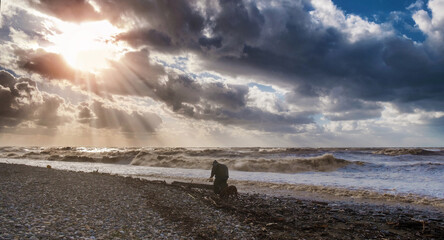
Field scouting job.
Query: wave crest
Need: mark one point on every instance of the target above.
(324, 163)
(406, 151)
(249, 159)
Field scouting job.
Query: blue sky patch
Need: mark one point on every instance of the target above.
(397, 12)
(9, 71)
(320, 119)
(263, 88)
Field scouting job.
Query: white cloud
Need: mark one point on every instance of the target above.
(265, 100)
(416, 5)
(352, 25)
(432, 25)
(21, 39)
(401, 121)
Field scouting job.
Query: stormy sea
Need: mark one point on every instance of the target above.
(411, 175)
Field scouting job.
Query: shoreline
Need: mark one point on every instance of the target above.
(322, 193)
(299, 191)
(48, 203)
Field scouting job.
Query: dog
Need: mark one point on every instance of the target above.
(228, 192)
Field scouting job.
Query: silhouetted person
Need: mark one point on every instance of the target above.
(221, 172)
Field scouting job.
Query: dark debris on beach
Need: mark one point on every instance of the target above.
(39, 203)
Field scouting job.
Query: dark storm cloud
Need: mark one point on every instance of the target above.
(223, 103)
(169, 25)
(392, 69)
(341, 107)
(71, 10)
(176, 25)
(284, 41)
(54, 67)
(239, 19)
(237, 24)
(140, 37)
(231, 97)
(135, 74)
(20, 101)
(173, 16)
(278, 43)
(210, 42)
(97, 115)
(50, 65)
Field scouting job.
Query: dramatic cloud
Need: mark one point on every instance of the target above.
(225, 104)
(217, 101)
(274, 66)
(141, 37)
(50, 65)
(22, 101)
(166, 24)
(432, 26)
(319, 50)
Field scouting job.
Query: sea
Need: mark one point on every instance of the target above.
(412, 175)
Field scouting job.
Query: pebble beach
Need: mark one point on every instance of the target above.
(44, 203)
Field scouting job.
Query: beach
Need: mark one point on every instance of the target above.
(45, 203)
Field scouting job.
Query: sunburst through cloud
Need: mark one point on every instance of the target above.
(85, 46)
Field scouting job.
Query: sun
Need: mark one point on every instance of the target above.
(86, 46)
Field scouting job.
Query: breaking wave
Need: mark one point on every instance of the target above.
(407, 151)
(242, 159)
(326, 162)
(71, 154)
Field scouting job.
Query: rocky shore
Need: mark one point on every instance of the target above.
(43, 203)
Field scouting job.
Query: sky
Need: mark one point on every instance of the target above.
(208, 73)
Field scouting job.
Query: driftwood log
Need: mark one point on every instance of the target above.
(192, 185)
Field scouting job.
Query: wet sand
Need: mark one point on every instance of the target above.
(40, 203)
